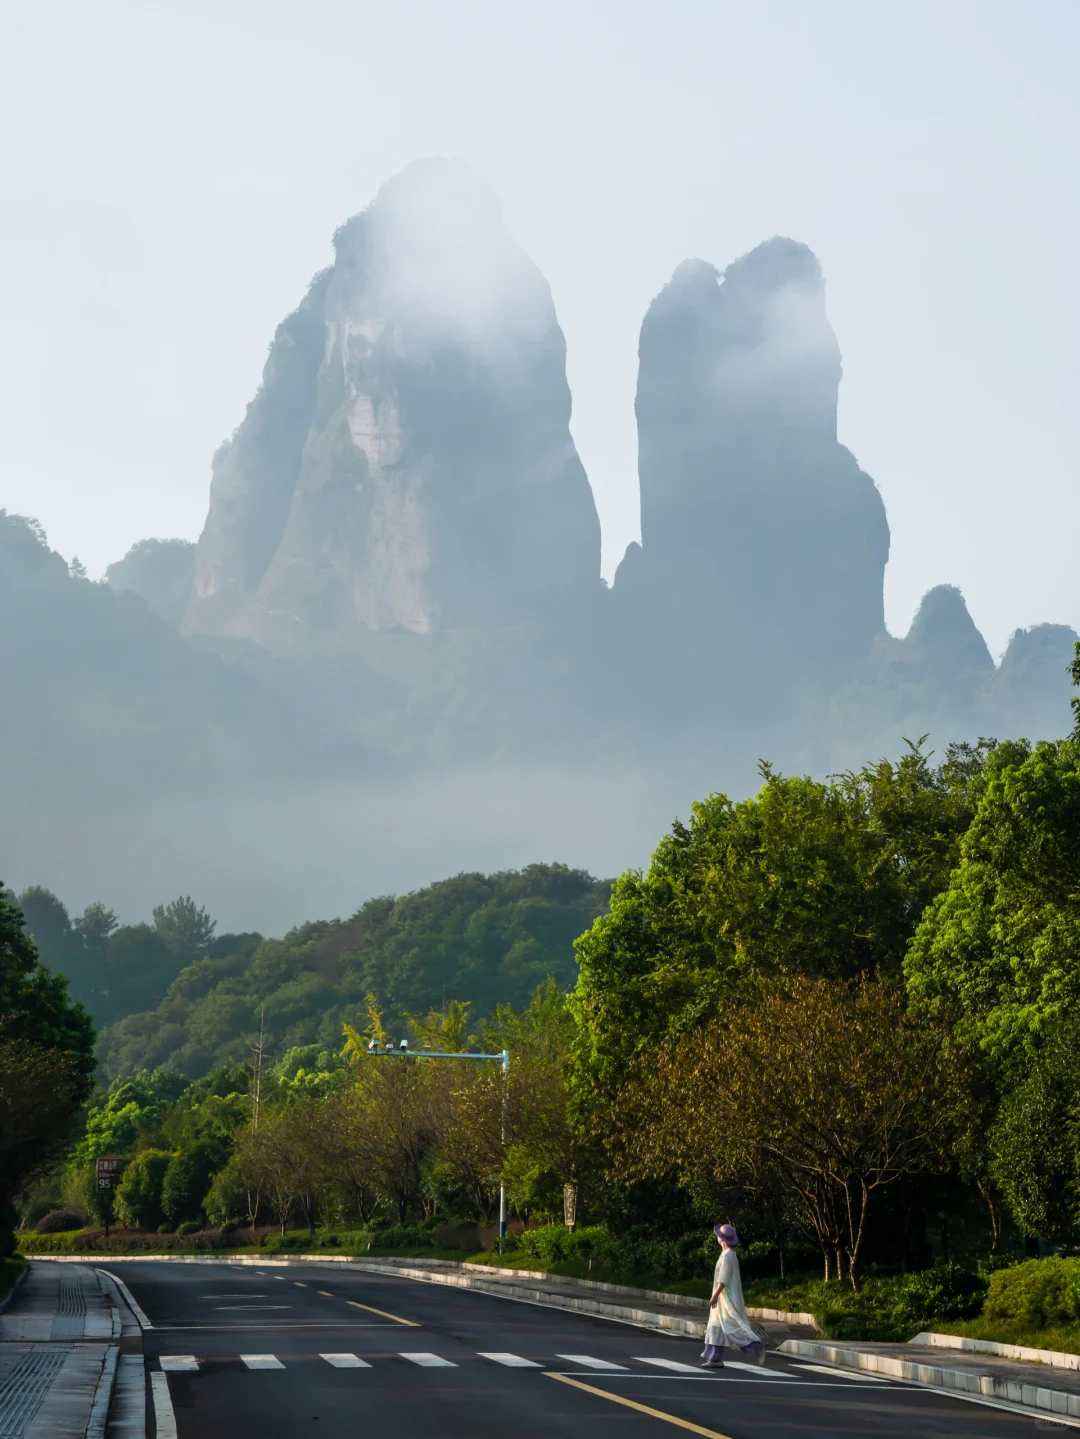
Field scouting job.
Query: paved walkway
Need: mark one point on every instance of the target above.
(1010, 1381)
(60, 1341)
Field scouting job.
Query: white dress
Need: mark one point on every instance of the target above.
(728, 1321)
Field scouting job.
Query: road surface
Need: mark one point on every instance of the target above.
(297, 1351)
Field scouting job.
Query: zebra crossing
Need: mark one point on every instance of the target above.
(192, 1364)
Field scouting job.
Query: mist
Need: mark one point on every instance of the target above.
(269, 860)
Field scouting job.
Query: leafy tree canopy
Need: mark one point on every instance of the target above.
(998, 953)
(826, 878)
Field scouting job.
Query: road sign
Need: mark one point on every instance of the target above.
(569, 1205)
(109, 1169)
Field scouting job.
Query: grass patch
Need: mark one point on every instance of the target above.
(1063, 1338)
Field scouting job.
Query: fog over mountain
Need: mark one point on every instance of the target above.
(391, 655)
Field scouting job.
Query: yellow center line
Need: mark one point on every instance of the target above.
(412, 1323)
(633, 1404)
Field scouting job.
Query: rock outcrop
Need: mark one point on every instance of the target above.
(407, 463)
(944, 644)
(761, 538)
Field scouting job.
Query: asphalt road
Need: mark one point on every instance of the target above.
(297, 1351)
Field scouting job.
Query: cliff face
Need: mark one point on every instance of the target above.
(407, 463)
(757, 526)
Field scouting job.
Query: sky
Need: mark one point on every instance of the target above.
(173, 174)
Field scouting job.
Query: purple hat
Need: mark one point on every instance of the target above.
(727, 1233)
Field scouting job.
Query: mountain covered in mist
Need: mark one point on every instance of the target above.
(400, 565)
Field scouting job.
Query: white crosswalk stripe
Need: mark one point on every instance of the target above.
(757, 1369)
(588, 1362)
(429, 1361)
(262, 1361)
(345, 1361)
(178, 1363)
(511, 1361)
(841, 1373)
(669, 1364)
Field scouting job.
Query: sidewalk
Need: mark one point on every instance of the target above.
(1016, 1383)
(60, 1341)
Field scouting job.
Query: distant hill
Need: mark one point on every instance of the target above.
(484, 939)
(104, 703)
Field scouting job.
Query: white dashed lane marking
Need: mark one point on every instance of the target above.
(429, 1361)
(669, 1364)
(588, 1362)
(511, 1361)
(841, 1373)
(345, 1361)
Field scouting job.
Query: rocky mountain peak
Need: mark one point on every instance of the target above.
(408, 462)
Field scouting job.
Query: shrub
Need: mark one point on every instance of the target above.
(226, 1201)
(1036, 1295)
(947, 1291)
(406, 1236)
(189, 1226)
(138, 1195)
(187, 1180)
(58, 1221)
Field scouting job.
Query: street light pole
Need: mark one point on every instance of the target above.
(402, 1051)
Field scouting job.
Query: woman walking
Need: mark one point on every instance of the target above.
(728, 1322)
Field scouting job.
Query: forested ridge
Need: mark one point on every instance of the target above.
(842, 1013)
(174, 993)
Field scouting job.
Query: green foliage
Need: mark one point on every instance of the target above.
(46, 1059)
(187, 1179)
(116, 969)
(998, 953)
(138, 1195)
(484, 939)
(130, 1108)
(1035, 1295)
(228, 1198)
(1035, 1141)
(827, 878)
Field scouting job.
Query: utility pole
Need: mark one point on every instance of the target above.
(257, 1062)
(402, 1051)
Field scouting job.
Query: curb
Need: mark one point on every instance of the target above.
(642, 1318)
(481, 1278)
(103, 1393)
(1027, 1397)
(1052, 1358)
(20, 1280)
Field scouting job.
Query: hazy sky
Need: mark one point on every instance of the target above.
(173, 173)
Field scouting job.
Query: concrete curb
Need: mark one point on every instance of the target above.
(959, 1381)
(480, 1277)
(642, 1318)
(20, 1280)
(1052, 1358)
(99, 1413)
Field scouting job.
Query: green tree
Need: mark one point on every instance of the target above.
(131, 1109)
(1035, 1141)
(137, 1202)
(46, 1061)
(825, 1091)
(828, 878)
(185, 927)
(997, 955)
(188, 1177)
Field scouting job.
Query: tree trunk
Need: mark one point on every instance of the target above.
(995, 1220)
